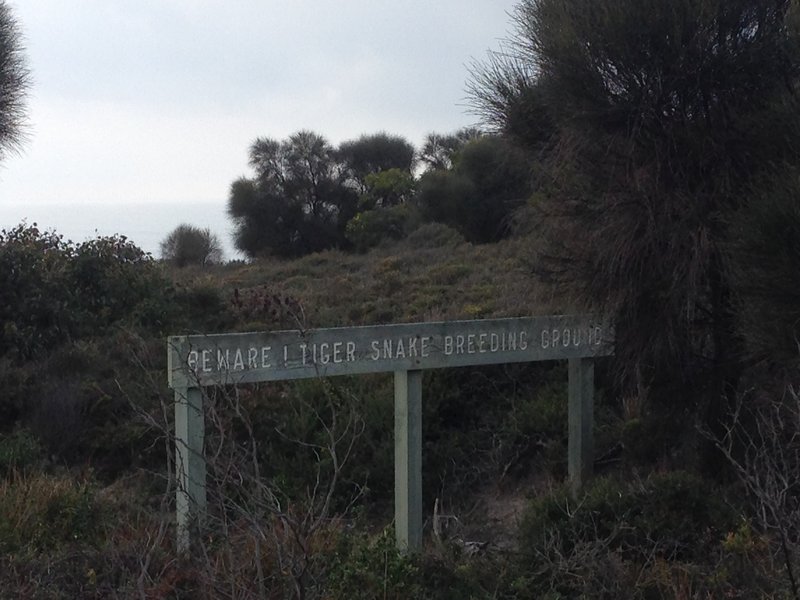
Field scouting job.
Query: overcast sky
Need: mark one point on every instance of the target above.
(158, 100)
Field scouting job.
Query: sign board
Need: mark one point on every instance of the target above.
(200, 360)
(196, 361)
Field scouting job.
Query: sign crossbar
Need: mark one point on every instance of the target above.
(232, 358)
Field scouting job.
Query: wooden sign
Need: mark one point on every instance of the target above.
(196, 361)
(200, 360)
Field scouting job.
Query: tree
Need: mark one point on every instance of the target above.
(189, 245)
(297, 203)
(764, 244)
(387, 188)
(371, 154)
(14, 83)
(439, 150)
(656, 120)
(488, 182)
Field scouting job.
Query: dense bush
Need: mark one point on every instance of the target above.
(491, 178)
(33, 294)
(298, 202)
(615, 529)
(371, 227)
(188, 245)
(53, 291)
(654, 122)
(79, 333)
(19, 450)
(109, 278)
(674, 514)
(364, 568)
(492, 436)
(765, 248)
(387, 188)
(40, 512)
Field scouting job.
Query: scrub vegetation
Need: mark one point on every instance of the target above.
(301, 473)
(641, 162)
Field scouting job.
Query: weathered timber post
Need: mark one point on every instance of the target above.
(190, 464)
(408, 460)
(581, 419)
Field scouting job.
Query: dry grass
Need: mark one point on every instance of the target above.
(409, 281)
(40, 510)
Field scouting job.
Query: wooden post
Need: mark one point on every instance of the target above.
(581, 409)
(408, 460)
(190, 465)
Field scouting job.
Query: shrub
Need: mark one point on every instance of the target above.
(619, 537)
(367, 568)
(489, 181)
(390, 187)
(108, 277)
(674, 514)
(434, 235)
(18, 450)
(33, 304)
(198, 306)
(40, 512)
(371, 227)
(766, 231)
(190, 245)
(52, 291)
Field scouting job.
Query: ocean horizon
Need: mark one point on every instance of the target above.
(146, 224)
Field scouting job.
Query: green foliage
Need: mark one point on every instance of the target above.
(487, 432)
(33, 298)
(188, 245)
(765, 247)
(490, 180)
(19, 450)
(41, 513)
(654, 121)
(305, 192)
(634, 540)
(297, 203)
(371, 567)
(110, 277)
(671, 515)
(371, 227)
(370, 155)
(434, 235)
(52, 291)
(440, 152)
(441, 195)
(293, 423)
(387, 188)
(466, 441)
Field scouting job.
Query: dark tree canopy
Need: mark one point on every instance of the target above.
(439, 150)
(374, 153)
(655, 120)
(387, 188)
(488, 182)
(297, 203)
(14, 82)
